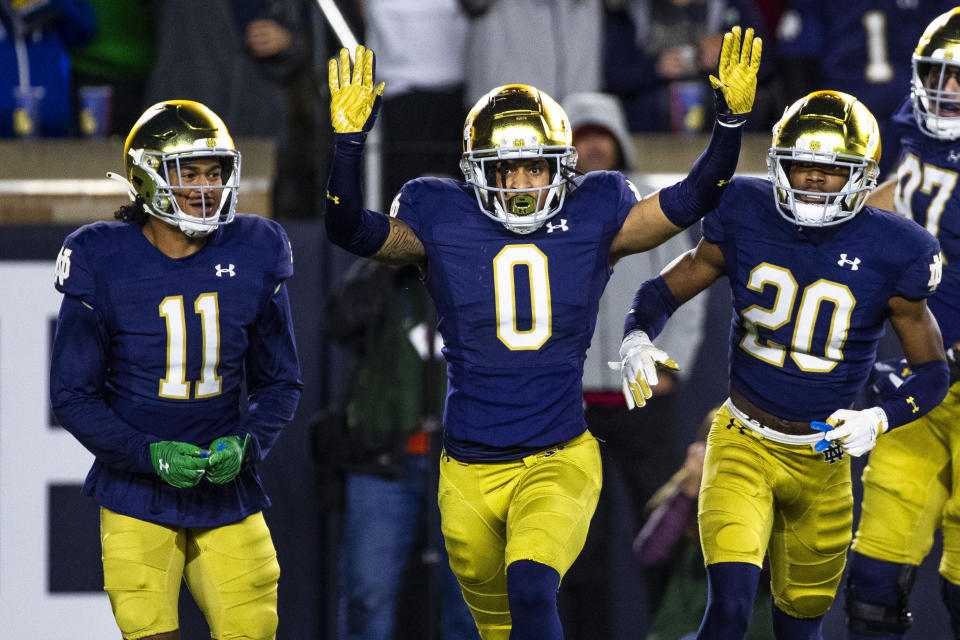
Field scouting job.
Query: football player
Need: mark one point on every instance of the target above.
(516, 258)
(169, 314)
(910, 484)
(813, 275)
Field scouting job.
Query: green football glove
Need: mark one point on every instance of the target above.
(736, 81)
(226, 458)
(179, 463)
(353, 102)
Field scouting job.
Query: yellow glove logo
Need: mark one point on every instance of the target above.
(352, 99)
(738, 70)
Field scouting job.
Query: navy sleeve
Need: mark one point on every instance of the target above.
(77, 385)
(273, 375)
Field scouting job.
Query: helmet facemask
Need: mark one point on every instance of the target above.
(522, 210)
(163, 169)
(837, 206)
(936, 110)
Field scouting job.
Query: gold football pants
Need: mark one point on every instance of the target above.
(537, 508)
(909, 490)
(763, 497)
(231, 571)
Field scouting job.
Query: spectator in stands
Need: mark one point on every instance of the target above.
(120, 56)
(657, 54)
(863, 50)
(35, 84)
(420, 47)
(384, 318)
(254, 62)
(554, 46)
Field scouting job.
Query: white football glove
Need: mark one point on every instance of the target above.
(857, 431)
(638, 367)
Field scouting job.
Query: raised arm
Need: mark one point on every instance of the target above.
(666, 212)
(353, 110)
(655, 301)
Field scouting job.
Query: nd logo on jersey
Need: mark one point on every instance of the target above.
(63, 265)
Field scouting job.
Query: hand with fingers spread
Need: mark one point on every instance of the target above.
(353, 100)
(736, 81)
(638, 367)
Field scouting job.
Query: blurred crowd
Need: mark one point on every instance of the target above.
(90, 67)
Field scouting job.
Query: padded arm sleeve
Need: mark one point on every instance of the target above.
(652, 307)
(349, 225)
(919, 393)
(693, 197)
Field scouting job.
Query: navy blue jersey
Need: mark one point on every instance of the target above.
(152, 348)
(807, 314)
(927, 192)
(516, 312)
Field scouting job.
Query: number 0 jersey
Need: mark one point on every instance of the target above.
(809, 304)
(516, 312)
(152, 348)
(927, 192)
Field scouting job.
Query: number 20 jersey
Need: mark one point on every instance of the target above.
(809, 304)
(516, 312)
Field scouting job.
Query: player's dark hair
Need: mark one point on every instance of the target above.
(133, 212)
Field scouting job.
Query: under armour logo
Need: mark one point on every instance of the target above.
(854, 264)
(229, 271)
(953, 156)
(733, 424)
(833, 453)
(163, 466)
(553, 227)
(913, 403)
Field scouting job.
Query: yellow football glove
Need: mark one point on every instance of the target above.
(353, 101)
(736, 81)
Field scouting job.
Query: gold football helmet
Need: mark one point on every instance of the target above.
(515, 122)
(826, 127)
(167, 134)
(935, 60)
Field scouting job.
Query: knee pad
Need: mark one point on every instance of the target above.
(136, 614)
(877, 596)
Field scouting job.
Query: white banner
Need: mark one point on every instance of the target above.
(32, 457)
